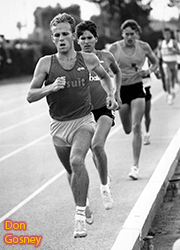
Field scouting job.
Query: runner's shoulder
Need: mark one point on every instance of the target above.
(144, 45)
(45, 59)
(107, 54)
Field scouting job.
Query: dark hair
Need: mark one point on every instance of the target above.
(132, 24)
(167, 29)
(63, 18)
(86, 25)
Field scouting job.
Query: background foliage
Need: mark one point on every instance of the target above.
(112, 14)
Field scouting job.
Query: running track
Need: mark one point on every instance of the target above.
(33, 183)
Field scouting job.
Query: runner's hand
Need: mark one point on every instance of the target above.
(111, 103)
(118, 100)
(59, 83)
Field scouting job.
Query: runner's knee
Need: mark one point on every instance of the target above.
(97, 148)
(136, 128)
(76, 162)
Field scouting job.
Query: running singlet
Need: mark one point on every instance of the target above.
(168, 55)
(98, 94)
(130, 64)
(73, 101)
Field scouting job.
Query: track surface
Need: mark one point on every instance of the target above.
(33, 183)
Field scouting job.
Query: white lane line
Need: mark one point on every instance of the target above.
(24, 147)
(4, 100)
(22, 123)
(157, 97)
(13, 110)
(30, 197)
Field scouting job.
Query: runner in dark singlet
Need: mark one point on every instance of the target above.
(87, 37)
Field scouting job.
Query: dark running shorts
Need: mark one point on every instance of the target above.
(147, 93)
(103, 111)
(131, 92)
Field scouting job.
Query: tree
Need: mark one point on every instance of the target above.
(173, 3)
(114, 12)
(43, 16)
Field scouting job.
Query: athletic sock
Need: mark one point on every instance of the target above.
(147, 133)
(104, 187)
(87, 202)
(80, 210)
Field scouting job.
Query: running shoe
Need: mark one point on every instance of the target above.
(89, 215)
(170, 99)
(134, 173)
(173, 92)
(107, 199)
(146, 139)
(80, 226)
(109, 180)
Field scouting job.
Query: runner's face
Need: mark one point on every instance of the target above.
(167, 35)
(63, 37)
(87, 41)
(129, 36)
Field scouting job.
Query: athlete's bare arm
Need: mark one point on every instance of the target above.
(114, 50)
(176, 47)
(93, 64)
(117, 74)
(151, 56)
(37, 91)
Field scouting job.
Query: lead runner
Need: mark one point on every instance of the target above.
(63, 78)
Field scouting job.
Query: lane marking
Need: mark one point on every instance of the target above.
(24, 147)
(157, 97)
(43, 187)
(22, 123)
(12, 111)
(30, 197)
(142, 214)
(5, 99)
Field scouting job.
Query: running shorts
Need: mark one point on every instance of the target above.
(103, 111)
(131, 92)
(63, 132)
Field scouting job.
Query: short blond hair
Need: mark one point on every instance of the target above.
(63, 18)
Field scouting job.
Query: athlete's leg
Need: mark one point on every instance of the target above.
(104, 124)
(167, 76)
(64, 154)
(178, 74)
(137, 110)
(175, 84)
(147, 115)
(168, 81)
(162, 75)
(80, 179)
(125, 115)
(174, 76)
